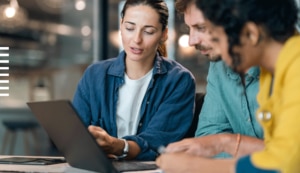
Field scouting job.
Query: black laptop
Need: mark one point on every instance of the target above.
(73, 140)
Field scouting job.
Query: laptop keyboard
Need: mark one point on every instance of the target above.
(134, 165)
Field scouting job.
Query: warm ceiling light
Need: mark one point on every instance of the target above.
(184, 40)
(80, 5)
(10, 12)
(86, 30)
(12, 16)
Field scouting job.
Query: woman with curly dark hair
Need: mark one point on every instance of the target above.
(257, 33)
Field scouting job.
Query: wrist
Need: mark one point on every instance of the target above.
(237, 146)
(125, 149)
(226, 140)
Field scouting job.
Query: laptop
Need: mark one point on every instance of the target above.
(72, 138)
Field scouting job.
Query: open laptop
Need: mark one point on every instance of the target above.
(74, 141)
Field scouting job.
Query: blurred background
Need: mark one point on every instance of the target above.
(48, 45)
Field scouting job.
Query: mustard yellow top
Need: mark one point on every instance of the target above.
(279, 112)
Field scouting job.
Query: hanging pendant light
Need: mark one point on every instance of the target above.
(12, 16)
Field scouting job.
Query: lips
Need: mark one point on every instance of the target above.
(136, 50)
(204, 52)
(203, 49)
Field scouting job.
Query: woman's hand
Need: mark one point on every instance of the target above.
(182, 162)
(112, 146)
(176, 163)
(109, 144)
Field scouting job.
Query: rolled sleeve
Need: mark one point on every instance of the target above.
(171, 120)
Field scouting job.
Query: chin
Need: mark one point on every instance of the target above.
(214, 58)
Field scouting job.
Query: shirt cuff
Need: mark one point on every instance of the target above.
(244, 165)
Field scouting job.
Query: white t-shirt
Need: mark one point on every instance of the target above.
(131, 95)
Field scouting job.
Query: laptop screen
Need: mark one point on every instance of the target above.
(70, 136)
(74, 141)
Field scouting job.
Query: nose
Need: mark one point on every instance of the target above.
(194, 39)
(137, 37)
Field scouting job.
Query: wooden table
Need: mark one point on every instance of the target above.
(55, 168)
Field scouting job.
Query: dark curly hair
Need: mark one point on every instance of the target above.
(276, 17)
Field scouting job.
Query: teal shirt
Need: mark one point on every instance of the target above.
(226, 109)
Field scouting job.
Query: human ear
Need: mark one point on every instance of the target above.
(252, 32)
(164, 35)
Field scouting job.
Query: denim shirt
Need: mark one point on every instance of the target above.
(166, 111)
(226, 108)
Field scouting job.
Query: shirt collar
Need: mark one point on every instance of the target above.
(118, 66)
(253, 72)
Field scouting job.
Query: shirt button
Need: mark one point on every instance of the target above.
(148, 102)
(249, 120)
(140, 125)
(264, 116)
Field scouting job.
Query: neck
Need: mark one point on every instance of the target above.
(137, 69)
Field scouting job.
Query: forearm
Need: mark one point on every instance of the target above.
(246, 144)
(209, 165)
(181, 162)
(134, 150)
(224, 166)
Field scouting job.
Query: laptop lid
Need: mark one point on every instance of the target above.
(70, 136)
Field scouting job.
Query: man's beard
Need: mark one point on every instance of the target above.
(202, 48)
(215, 58)
(212, 58)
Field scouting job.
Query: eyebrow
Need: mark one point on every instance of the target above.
(199, 25)
(146, 26)
(215, 39)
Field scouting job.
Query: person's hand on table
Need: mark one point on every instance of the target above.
(175, 163)
(182, 162)
(206, 146)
